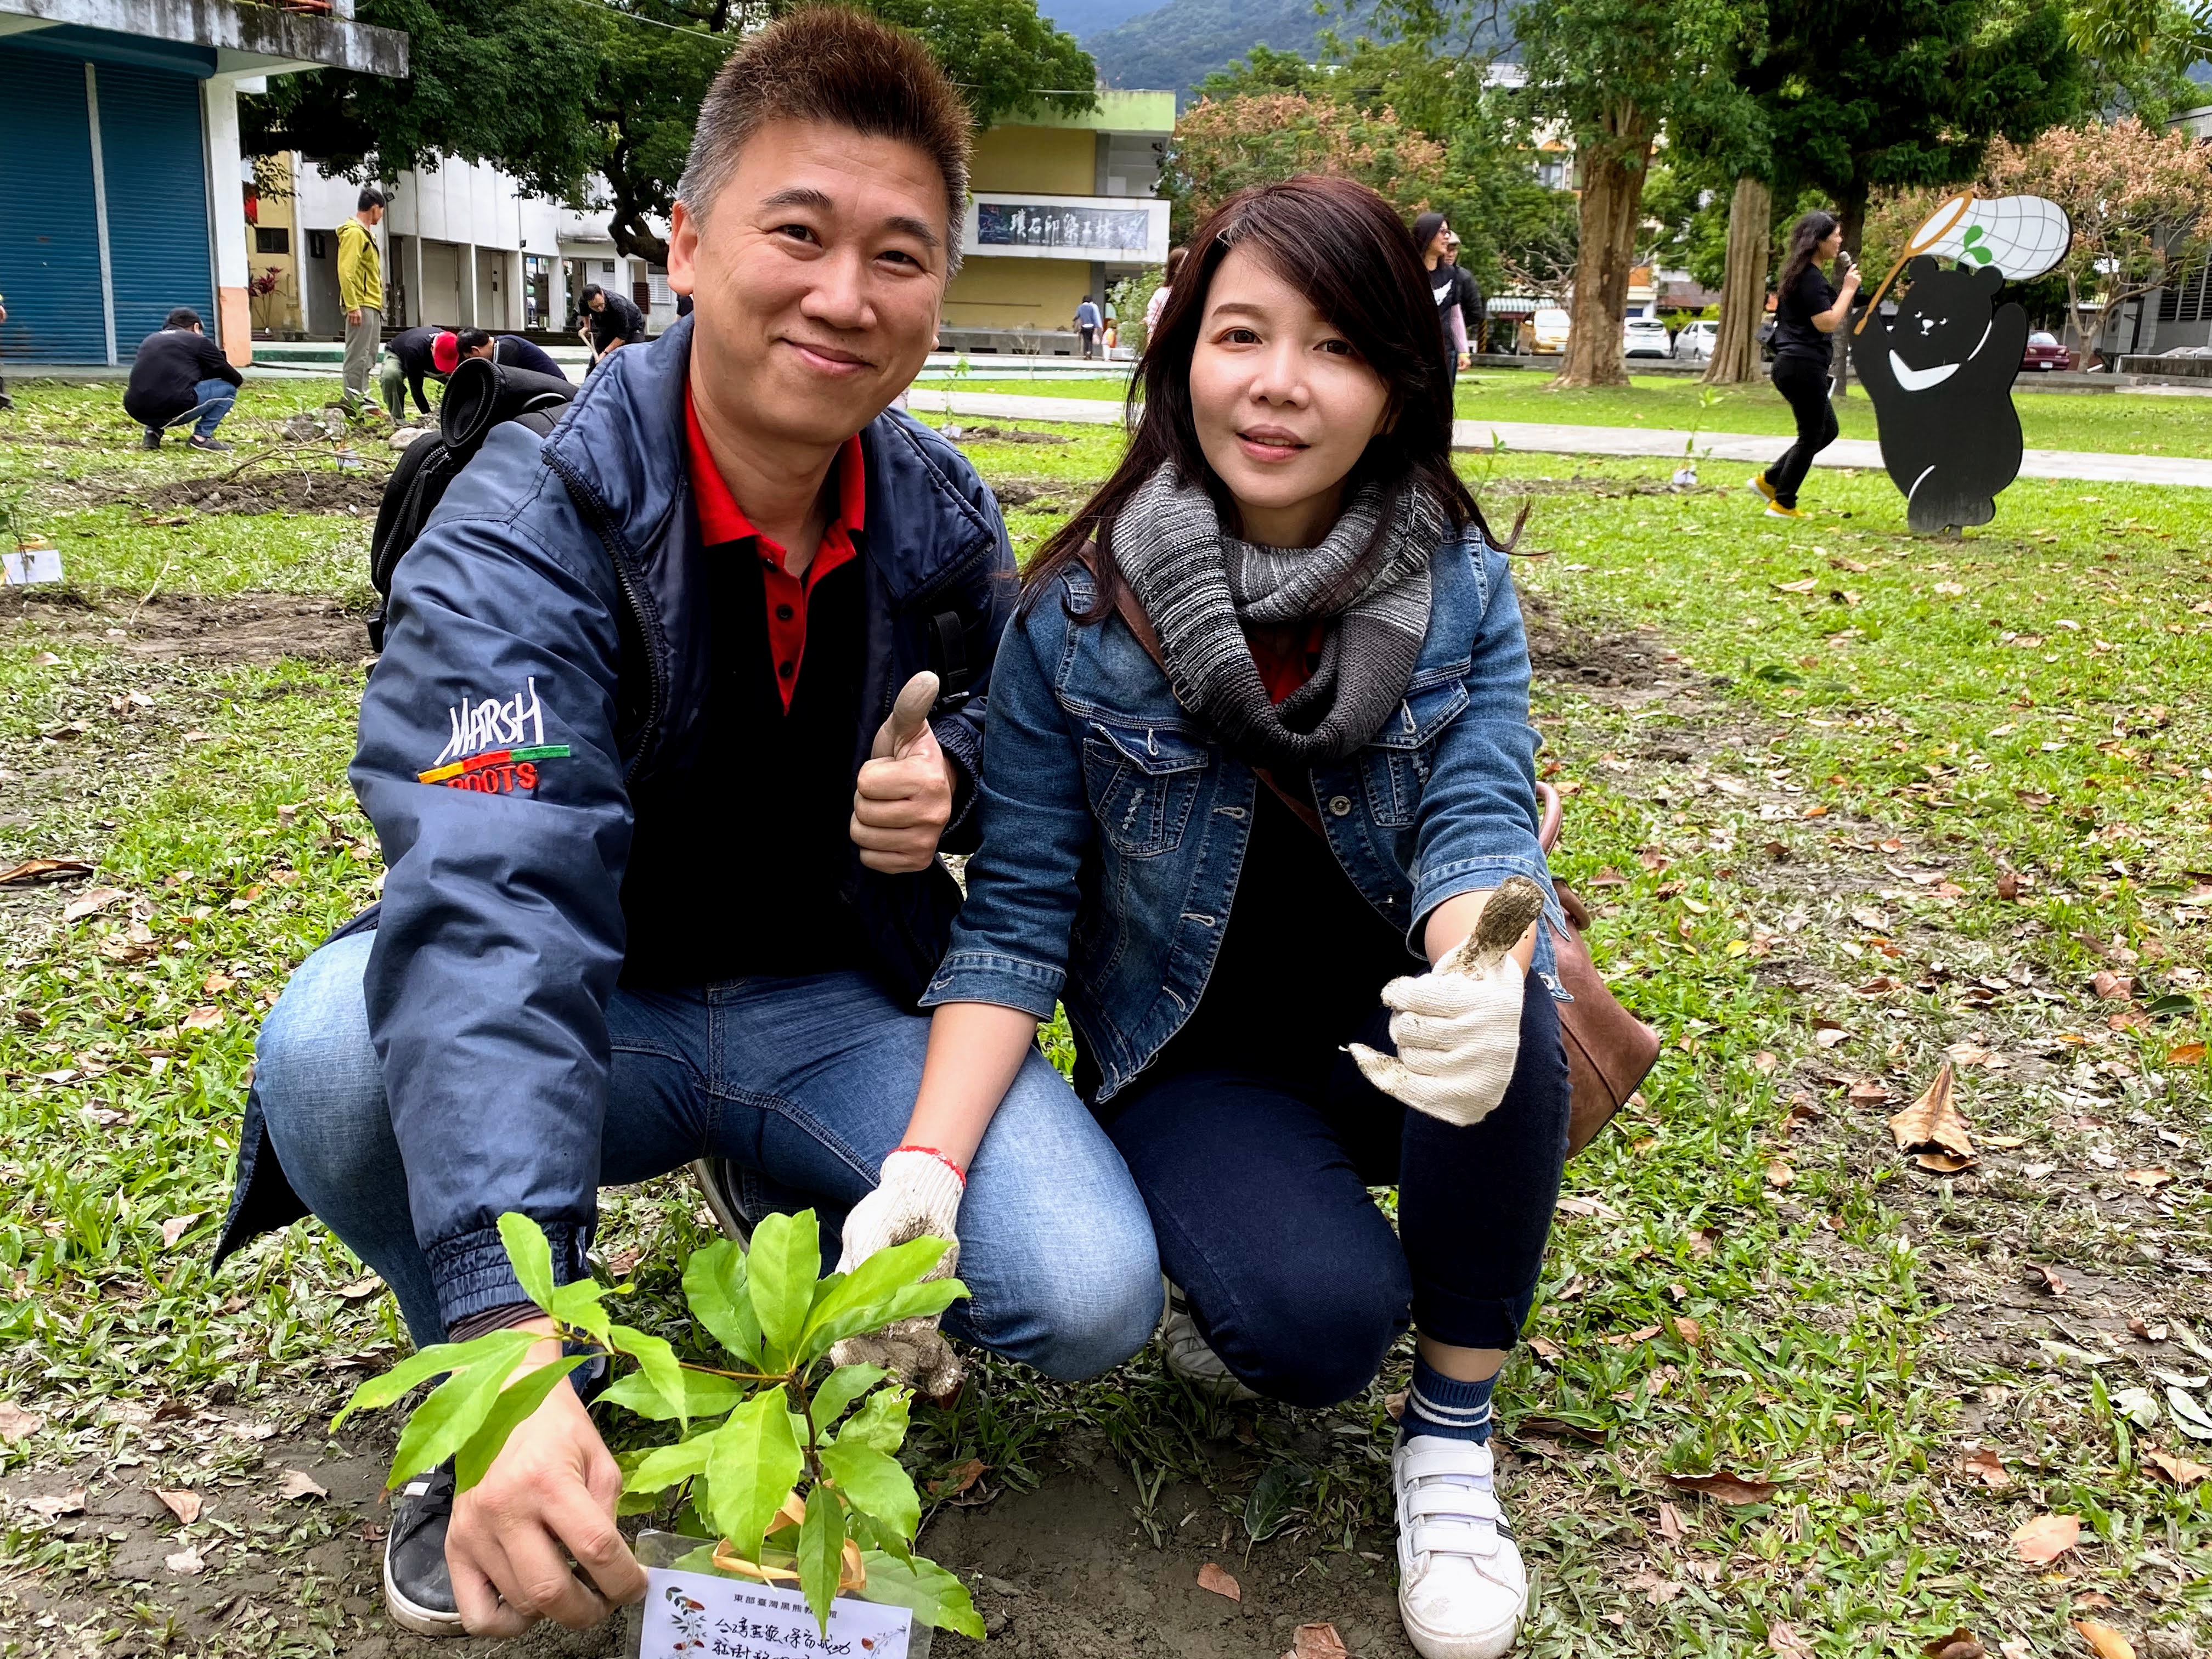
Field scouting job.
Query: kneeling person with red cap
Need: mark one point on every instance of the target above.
(414, 354)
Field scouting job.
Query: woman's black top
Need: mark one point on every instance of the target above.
(1794, 335)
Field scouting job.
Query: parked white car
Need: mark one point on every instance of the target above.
(1548, 328)
(1644, 337)
(1694, 344)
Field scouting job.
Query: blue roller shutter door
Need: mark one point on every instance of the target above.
(154, 162)
(49, 226)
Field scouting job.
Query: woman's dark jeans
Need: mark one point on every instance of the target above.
(1257, 1188)
(1803, 384)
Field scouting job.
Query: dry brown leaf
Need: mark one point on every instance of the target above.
(2185, 1054)
(204, 1019)
(1932, 1123)
(1672, 1526)
(298, 1483)
(1725, 1488)
(1779, 1175)
(1660, 1591)
(1943, 1163)
(360, 1288)
(953, 1482)
(92, 901)
(2046, 1277)
(1315, 1642)
(50, 1504)
(183, 1503)
(2182, 1471)
(44, 870)
(1211, 1578)
(2112, 986)
(16, 1424)
(2016, 1650)
(2104, 1641)
(176, 1226)
(2044, 1540)
(1960, 1643)
(1829, 1036)
(1783, 1641)
(2009, 886)
(1629, 1338)
(1765, 1061)
(2149, 1180)
(1984, 1465)
(1395, 1402)
(1688, 1331)
(216, 983)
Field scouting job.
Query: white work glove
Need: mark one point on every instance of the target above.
(1457, 1027)
(917, 1194)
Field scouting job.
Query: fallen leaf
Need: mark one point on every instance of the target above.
(174, 1229)
(1779, 1175)
(1629, 1338)
(2044, 1540)
(203, 1019)
(185, 1561)
(1315, 1642)
(1660, 1591)
(1943, 1163)
(44, 870)
(1832, 1036)
(1733, 1490)
(1554, 1426)
(1575, 1204)
(1672, 1528)
(216, 984)
(2009, 886)
(2149, 1180)
(2185, 1054)
(1765, 1061)
(1932, 1123)
(2104, 1641)
(2112, 986)
(1783, 1641)
(1985, 1465)
(16, 1424)
(53, 1503)
(1805, 587)
(953, 1482)
(182, 1504)
(360, 1288)
(92, 901)
(1211, 1578)
(298, 1483)
(1960, 1643)
(1688, 1331)
(2182, 1471)
(2015, 1650)
(1868, 1088)
(2046, 1277)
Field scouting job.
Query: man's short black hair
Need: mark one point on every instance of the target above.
(371, 196)
(471, 339)
(182, 317)
(589, 291)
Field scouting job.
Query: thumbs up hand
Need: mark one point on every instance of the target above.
(904, 797)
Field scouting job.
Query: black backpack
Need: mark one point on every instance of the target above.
(480, 395)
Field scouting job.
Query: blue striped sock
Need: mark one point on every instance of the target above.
(1446, 1407)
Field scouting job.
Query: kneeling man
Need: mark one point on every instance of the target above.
(652, 756)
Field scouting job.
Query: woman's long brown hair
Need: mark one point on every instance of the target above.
(1340, 245)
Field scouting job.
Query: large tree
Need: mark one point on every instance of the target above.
(592, 101)
(1613, 75)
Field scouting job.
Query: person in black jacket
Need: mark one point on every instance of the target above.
(1807, 311)
(1467, 295)
(410, 358)
(180, 375)
(509, 348)
(608, 322)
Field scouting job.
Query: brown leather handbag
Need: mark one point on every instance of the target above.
(1609, 1050)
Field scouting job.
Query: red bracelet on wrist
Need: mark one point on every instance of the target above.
(961, 1174)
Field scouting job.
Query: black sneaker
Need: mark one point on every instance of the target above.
(418, 1590)
(151, 440)
(214, 445)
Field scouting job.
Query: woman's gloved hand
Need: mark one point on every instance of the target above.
(1457, 1027)
(917, 1194)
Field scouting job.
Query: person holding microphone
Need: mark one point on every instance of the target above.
(1806, 311)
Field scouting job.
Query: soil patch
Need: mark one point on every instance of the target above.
(248, 628)
(1036, 494)
(1003, 434)
(1572, 653)
(295, 490)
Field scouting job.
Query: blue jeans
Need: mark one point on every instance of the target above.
(805, 1084)
(1258, 1189)
(212, 399)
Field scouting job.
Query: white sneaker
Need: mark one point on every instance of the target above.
(1188, 1355)
(1462, 1589)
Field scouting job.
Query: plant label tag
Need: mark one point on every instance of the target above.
(697, 1615)
(30, 564)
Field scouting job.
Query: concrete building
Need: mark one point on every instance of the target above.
(1061, 207)
(120, 150)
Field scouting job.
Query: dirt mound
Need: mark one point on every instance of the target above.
(961, 433)
(1037, 494)
(297, 491)
(251, 628)
(1569, 654)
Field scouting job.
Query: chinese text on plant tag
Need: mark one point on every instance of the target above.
(695, 1615)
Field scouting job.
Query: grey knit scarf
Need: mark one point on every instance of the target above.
(1201, 589)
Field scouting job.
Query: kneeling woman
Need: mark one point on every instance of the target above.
(1258, 755)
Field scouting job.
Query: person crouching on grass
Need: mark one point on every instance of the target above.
(1258, 754)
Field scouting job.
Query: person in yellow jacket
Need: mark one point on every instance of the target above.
(360, 291)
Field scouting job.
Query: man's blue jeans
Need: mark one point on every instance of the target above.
(212, 399)
(805, 1083)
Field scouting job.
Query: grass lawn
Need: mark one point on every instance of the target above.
(1848, 805)
(2114, 422)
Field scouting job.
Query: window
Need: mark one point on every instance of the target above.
(317, 247)
(271, 239)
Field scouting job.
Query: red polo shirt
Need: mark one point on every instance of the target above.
(722, 520)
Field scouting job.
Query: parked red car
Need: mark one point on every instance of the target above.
(2043, 352)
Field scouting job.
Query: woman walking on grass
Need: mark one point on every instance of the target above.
(1259, 758)
(1806, 311)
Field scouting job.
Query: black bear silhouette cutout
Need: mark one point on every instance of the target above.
(1941, 377)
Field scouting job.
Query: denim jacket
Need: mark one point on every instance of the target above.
(1113, 826)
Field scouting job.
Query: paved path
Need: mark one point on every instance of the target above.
(1539, 438)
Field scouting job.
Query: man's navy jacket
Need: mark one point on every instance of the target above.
(546, 647)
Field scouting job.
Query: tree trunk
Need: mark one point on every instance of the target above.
(1852, 221)
(1612, 198)
(1735, 361)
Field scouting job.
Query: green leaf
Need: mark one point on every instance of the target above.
(875, 1483)
(456, 1409)
(857, 1302)
(880, 1425)
(909, 1302)
(704, 1396)
(532, 1256)
(938, 1598)
(714, 1285)
(656, 1361)
(821, 1552)
(665, 1466)
(1973, 235)
(516, 1401)
(753, 1462)
(577, 1304)
(1276, 1497)
(841, 1388)
(380, 1391)
(779, 1273)
(873, 1535)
